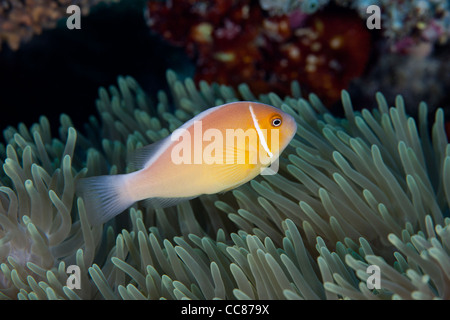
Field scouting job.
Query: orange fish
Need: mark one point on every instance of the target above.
(216, 151)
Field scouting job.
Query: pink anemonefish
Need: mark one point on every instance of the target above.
(218, 150)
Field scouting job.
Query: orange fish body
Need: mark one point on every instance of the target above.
(218, 150)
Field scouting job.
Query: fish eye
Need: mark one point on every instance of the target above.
(276, 122)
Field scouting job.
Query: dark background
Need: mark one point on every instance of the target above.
(61, 70)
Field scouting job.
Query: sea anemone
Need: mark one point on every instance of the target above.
(372, 188)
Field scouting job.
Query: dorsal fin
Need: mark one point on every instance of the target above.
(139, 158)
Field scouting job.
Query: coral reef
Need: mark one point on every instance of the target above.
(324, 45)
(20, 20)
(372, 188)
(405, 23)
(234, 42)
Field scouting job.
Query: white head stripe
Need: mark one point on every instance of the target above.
(260, 134)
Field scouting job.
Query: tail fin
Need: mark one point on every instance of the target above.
(104, 196)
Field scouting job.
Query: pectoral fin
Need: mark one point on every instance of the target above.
(236, 170)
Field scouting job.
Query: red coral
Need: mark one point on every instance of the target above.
(235, 42)
(326, 54)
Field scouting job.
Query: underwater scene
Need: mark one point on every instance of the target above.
(228, 149)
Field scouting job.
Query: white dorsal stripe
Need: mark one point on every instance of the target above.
(260, 133)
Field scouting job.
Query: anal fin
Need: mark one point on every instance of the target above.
(159, 203)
